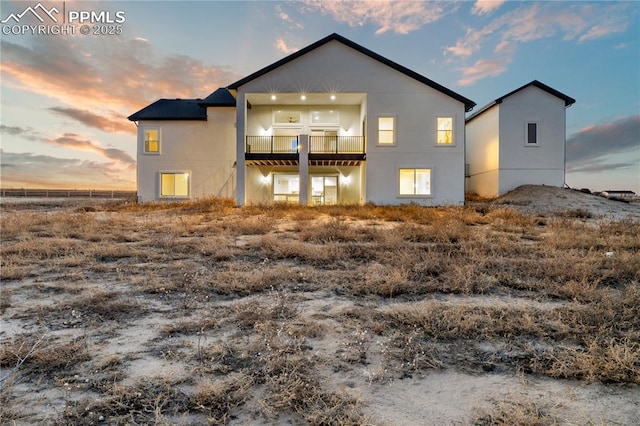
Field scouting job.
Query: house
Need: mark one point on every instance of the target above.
(620, 194)
(517, 139)
(331, 123)
(335, 123)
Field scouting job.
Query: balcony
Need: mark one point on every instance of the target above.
(271, 150)
(336, 150)
(323, 150)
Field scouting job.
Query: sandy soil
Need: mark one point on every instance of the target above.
(446, 396)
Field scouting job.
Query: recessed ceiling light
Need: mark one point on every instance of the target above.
(303, 97)
(273, 97)
(333, 97)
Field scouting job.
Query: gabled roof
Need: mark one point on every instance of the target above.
(469, 104)
(567, 100)
(220, 98)
(172, 109)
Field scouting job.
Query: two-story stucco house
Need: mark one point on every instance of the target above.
(517, 139)
(337, 123)
(331, 123)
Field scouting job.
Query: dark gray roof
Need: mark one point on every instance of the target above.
(172, 109)
(567, 100)
(220, 98)
(469, 104)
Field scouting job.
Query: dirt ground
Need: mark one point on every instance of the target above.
(524, 310)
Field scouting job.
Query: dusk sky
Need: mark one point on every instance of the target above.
(65, 97)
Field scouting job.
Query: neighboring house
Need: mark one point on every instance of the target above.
(331, 123)
(517, 139)
(610, 193)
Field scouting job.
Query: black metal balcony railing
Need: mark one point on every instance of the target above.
(336, 144)
(317, 145)
(271, 145)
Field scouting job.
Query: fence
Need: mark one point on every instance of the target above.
(67, 193)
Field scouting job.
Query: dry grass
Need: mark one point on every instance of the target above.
(242, 302)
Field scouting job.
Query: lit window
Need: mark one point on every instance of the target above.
(286, 117)
(152, 141)
(445, 131)
(532, 133)
(415, 182)
(174, 184)
(286, 188)
(386, 130)
(324, 116)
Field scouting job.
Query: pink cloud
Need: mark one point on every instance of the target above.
(481, 69)
(529, 23)
(282, 47)
(28, 170)
(482, 7)
(119, 159)
(400, 17)
(106, 73)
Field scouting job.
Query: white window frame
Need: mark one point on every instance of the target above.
(144, 141)
(174, 172)
(526, 133)
(416, 167)
(275, 123)
(335, 123)
(394, 130)
(453, 133)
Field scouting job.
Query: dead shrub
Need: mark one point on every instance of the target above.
(40, 356)
(150, 401)
(607, 361)
(218, 399)
(515, 412)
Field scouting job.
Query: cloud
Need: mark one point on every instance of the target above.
(118, 123)
(481, 69)
(596, 143)
(27, 133)
(282, 47)
(532, 22)
(106, 73)
(400, 17)
(28, 170)
(600, 166)
(482, 7)
(74, 141)
(593, 141)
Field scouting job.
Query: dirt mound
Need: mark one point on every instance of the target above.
(550, 200)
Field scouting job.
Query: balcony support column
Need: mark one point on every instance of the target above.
(303, 168)
(241, 118)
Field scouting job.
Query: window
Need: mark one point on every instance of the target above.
(324, 116)
(174, 184)
(286, 117)
(532, 133)
(415, 182)
(386, 130)
(286, 188)
(445, 131)
(152, 141)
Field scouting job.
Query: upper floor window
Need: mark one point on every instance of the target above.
(532, 133)
(445, 131)
(152, 141)
(324, 116)
(386, 130)
(283, 116)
